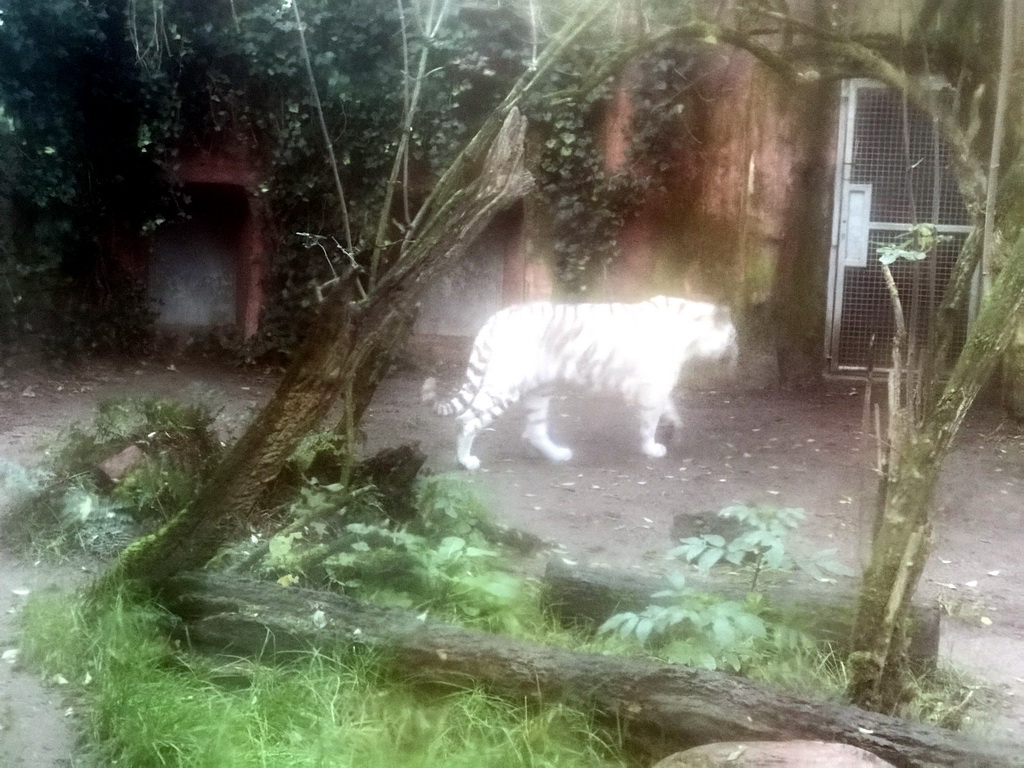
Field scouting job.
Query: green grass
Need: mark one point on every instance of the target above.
(817, 673)
(146, 703)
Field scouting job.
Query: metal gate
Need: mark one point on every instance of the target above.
(891, 172)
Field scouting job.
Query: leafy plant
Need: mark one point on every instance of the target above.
(450, 577)
(589, 201)
(26, 292)
(919, 241)
(448, 505)
(114, 316)
(694, 628)
(761, 547)
(438, 562)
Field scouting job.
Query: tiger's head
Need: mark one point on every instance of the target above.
(708, 330)
(723, 342)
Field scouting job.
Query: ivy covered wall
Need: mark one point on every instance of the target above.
(685, 171)
(106, 102)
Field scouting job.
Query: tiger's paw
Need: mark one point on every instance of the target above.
(558, 454)
(654, 450)
(552, 452)
(472, 463)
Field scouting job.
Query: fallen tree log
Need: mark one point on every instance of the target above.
(586, 596)
(663, 707)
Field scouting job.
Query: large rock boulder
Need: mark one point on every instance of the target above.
(773, 754)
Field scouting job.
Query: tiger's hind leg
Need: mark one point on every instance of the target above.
(671, 418)
(473, 423)
(464, 447)
(536, 432)
(485, 408)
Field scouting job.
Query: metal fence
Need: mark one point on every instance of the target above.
(892, 172)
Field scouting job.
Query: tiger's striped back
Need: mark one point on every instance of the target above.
(634, 350)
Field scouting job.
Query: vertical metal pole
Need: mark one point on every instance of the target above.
(1005, 64)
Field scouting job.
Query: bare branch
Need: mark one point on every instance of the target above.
(400, 165)
(323, 127)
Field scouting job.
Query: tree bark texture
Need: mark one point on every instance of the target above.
(900, 550)
(345, 355)
(663, 708)
(586, 597)
(902, 542)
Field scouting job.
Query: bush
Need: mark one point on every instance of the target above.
(69, 504)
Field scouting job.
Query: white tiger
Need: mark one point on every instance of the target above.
(634, 350)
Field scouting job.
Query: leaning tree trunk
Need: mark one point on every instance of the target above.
(345, 355)
(348, 347)
(902, 541)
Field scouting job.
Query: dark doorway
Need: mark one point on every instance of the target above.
(194, 269)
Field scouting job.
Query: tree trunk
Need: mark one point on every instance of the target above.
(662, 708)
(901, 545)
(348, 347)
(585, 597)
(900, 548)
(1012, 374)
(345, 354)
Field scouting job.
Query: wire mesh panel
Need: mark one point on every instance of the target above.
(892, 173)
(868, 323)
(896, 150)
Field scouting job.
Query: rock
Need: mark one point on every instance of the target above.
(777, 754)
(120, 464)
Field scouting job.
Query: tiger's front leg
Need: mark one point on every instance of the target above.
(654, 406)
(536, 432)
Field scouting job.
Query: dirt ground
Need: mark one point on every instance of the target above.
(608, 505)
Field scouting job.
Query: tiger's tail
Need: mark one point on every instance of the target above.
(461, 401)
(452, 407)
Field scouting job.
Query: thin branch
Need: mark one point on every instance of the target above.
(897, 305)
(400, 165)
(323, 128)
(533, 33)
(441, 14)
(455, 173)
(406, 110)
